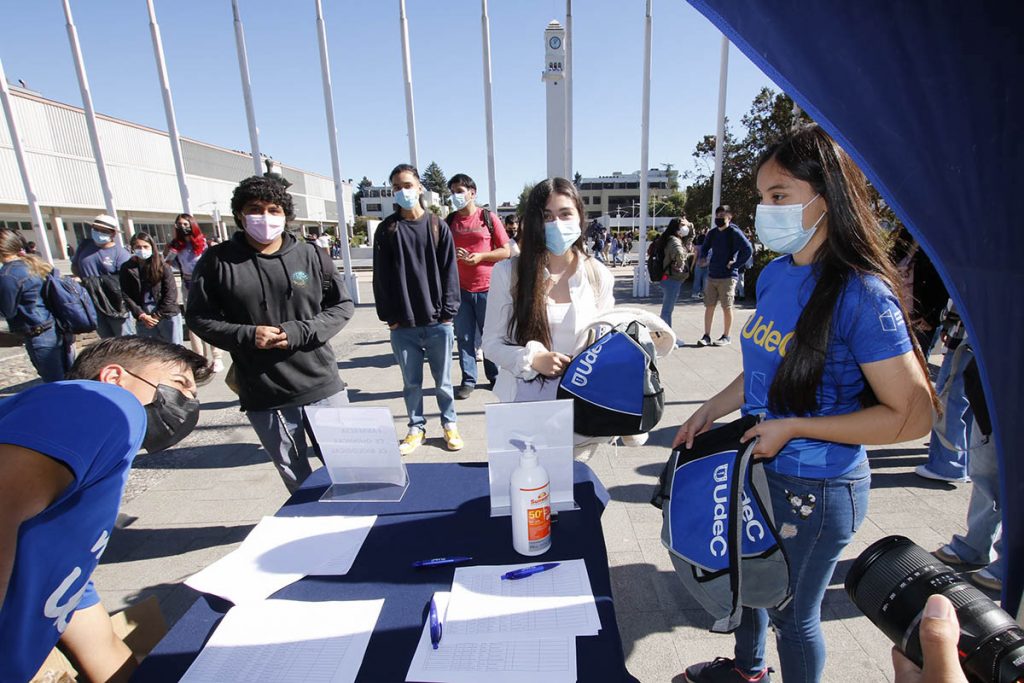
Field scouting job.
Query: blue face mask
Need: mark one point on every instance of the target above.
(559, 236)
(459, 200)
(781, 228)
(407, 198)
(100, 237)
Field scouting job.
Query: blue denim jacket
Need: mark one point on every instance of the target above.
(21, 298)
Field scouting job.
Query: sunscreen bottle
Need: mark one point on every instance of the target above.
(531, 505)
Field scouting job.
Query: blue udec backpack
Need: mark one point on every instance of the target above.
(719, 526)
(69, 304)
(614, 384)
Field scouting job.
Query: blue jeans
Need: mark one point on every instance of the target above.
(941, 460)
(411, 345)
(700, 277)
(813, 544)
(48, 354)
(468, 323)
(108, 326)
(669, 295)
(283, 436)
(982, 544)
(168, 329)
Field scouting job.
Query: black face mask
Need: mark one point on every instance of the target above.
(719, 222)
(169, 418)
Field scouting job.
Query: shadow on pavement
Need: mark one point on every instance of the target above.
(202, 457)
(134, 544)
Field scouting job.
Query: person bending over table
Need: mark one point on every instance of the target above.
(830, 362)
(61, 489)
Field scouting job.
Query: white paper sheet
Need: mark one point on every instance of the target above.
(280, 551)
(359, 445)
(555, 602)
(545, 424)
(278, 641)
(491, 657)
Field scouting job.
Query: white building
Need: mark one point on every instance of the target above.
(378, 201)
(619, 194)
(141, 169)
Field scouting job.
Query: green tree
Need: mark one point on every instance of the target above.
(363, 185)
(523, 196)
(435, 181)
(669, 206)
(577, 179)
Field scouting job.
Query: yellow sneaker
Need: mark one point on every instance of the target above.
(411, 441)
(452, 438)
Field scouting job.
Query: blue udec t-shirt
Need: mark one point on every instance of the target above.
(867, 326)
(94, 429)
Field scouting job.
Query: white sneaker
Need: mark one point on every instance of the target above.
(923, 471)
(218, 365)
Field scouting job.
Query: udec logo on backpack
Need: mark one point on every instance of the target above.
(614, 384)
(718, 526)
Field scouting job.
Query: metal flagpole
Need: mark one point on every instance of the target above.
(90, 116)
(351, 283)
(723, 77)
(410, 112)
(568, 89)
(641, 280)
(172, 122)
(250, 112)
(19, 154)
(485, 22)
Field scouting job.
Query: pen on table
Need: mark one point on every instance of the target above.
(440, 561)
(435, 624)
(528, 571)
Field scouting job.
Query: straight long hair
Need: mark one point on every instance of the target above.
(853, 248)
(11, 244)
(529, 321)
(152, 269)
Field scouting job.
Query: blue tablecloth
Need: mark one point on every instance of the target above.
(446, 511)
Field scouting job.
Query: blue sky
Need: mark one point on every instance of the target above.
(365, 50)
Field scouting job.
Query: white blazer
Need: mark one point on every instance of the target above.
(514, 361)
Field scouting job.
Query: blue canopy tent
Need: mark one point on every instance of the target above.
(928, 97)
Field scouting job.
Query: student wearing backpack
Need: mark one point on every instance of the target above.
(97, 263)
(151, 292)
(830, 363)
(675, 250)
(22, 304)
(541, 300)
(416, 290)
(480, 242)
(274, 303)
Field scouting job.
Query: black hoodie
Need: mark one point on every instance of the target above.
(235, 288)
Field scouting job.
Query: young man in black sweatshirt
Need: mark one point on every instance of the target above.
(274, 303)
(416, 289)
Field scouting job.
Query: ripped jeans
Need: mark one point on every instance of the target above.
(816, 519)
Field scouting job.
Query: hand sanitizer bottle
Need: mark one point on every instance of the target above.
(531, 505)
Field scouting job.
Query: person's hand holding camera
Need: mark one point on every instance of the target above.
(940, 633)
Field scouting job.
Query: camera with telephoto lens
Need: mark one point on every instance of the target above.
(890, 583)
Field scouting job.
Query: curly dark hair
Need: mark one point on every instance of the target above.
(269, 187)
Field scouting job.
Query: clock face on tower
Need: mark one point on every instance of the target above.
(555, 42)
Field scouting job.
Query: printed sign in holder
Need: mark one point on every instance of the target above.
(547, 425)
(360, 452)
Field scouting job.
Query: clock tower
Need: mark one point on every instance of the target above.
(554, 80)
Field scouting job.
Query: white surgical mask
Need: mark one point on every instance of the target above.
(143, 254)
(459, 200)
(100, 237)
(560, 235)
(781, 227)
(407, 198)
(263, 227)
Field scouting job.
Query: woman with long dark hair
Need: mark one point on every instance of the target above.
(150, 291)
(22, 277)
(540, 300)
(674, 243)
(188, 245)
(831, 364)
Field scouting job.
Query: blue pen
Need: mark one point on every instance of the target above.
(528, 571)
(435, 624)
(440, 561)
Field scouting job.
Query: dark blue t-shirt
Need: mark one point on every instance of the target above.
(92, 261)
(724, 246)
(95, 430)
(867, 327)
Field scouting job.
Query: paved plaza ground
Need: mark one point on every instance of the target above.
(189, 506)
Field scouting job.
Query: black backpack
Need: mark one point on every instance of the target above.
(486, 217)
(656, 260)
